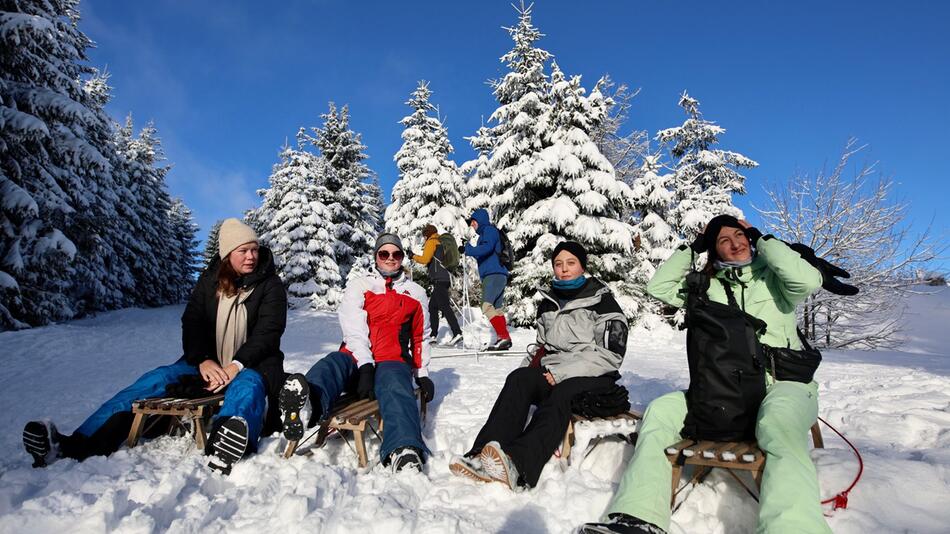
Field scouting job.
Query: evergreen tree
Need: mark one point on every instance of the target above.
(49, 170)
(478, 170)
(298, 228)
(522, 95)
(705, 179)
(375, 205)
(212, 244)
(142, 156)
(181, 270)
(72, 238)
(579, 199)
(351, 202)
(428, 180)
(104, 232)
(652, 200)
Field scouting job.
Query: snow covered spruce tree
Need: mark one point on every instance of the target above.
(146, 177)
(68, 239)
(704, 179)
(428, 180)
(478, 170)
(51, 167)
(652, 200)
(212, 244)
(578, 197)
(297, 226)
(351, 202)
(181, 271)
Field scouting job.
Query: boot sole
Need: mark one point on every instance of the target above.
(228, 445)
(464, 471)
(491, 454)
(291, 402)
(36, 441)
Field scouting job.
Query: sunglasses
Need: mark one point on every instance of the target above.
(384, 255)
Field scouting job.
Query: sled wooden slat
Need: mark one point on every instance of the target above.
(353, 415)
(732, 456)
(199, 411)
(568, 443)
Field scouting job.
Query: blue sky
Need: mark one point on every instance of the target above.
(226, 82)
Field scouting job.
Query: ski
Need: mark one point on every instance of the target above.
(478, 353)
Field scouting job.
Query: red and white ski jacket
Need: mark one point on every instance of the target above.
(384, 320)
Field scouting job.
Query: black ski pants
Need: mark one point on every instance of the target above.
(531, 447)
(439, 302)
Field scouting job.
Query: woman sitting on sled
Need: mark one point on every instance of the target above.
(581, 341)
(231, 331)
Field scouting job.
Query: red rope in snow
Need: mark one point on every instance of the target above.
(841, 499)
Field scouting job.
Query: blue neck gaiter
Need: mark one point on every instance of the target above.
(569, 284)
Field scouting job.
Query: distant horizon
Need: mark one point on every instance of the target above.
(227, 83)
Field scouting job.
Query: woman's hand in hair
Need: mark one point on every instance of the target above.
(213, 375)
(550, 378)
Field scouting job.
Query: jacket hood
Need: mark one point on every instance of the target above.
(481, 217)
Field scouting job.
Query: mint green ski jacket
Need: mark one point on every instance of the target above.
(769, 288)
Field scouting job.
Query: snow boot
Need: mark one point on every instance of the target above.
(295, 406)
(40, 439)
(405, 458)
(498, 465)
(501, 331)
(499, 345)
(228, 443)
(621, 524)
(454, 341)
(470, 468)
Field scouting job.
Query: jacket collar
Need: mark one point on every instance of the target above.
(593, 291)
(743, 274)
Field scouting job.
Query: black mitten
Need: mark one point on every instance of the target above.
(829, 272)
(428, 388)
(367, 376)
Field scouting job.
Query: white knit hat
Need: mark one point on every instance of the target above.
(233, 234)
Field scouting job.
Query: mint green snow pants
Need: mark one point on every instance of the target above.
(789, 501)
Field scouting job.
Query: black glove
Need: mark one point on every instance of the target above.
(829, 272)
(428, 388)
(409, 253)
(365, 387)
(752, 233)
(461, 249)
(699, 244)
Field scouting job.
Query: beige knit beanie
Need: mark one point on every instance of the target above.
(233, 234)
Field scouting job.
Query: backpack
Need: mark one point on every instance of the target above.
(507, 254)
(450, 251)
(726, 366)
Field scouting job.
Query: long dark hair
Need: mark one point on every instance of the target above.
(227, 278)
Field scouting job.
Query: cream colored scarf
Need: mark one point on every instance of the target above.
(231, 325)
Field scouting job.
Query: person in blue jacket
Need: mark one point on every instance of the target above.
(494, 275)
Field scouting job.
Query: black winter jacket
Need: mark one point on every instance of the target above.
(266, 319)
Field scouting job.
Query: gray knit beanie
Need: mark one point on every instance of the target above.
(387, 239)
(233, 234)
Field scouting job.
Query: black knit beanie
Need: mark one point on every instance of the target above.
(715, 226)
(574, 248)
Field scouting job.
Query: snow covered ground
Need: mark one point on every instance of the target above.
(895, 405)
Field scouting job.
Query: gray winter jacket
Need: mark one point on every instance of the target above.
(583, 332)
